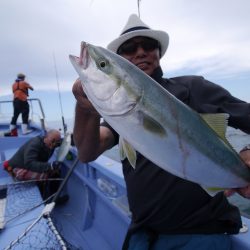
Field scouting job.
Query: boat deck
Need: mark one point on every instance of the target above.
(95, 217)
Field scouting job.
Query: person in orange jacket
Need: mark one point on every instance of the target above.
(20, 90)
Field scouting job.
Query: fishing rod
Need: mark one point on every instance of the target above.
(138, 7)
(59, 96)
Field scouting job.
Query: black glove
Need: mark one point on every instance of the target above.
(55, 165)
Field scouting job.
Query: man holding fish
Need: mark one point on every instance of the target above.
(170, 209)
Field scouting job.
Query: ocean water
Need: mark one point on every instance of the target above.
(237, 138)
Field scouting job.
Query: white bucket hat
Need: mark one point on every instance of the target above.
(135, 27)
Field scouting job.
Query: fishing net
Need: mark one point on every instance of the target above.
(24, 205)
(41, 234)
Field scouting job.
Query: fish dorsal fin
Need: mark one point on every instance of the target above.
(213, 190)
(218, 122)
(127, 151)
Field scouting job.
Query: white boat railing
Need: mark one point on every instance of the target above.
(36, 110)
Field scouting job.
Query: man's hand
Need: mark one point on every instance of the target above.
(82, 99)
(245, 191)
(245, 156)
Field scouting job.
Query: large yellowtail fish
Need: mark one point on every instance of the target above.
(153, 122)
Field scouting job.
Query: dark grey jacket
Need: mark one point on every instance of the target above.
(33, 155)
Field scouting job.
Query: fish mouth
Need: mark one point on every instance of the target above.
(106, 102)
(83, 59)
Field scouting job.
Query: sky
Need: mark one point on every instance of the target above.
(207, 37)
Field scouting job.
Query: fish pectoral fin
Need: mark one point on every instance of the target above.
(127, 151)
(218, 122)
(213, 190)
(121, 149)
(151, 125)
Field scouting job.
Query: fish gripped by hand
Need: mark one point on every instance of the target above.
(155, 123)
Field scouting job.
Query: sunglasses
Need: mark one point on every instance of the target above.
(131, 46)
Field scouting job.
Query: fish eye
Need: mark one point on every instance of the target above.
(102, 64)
